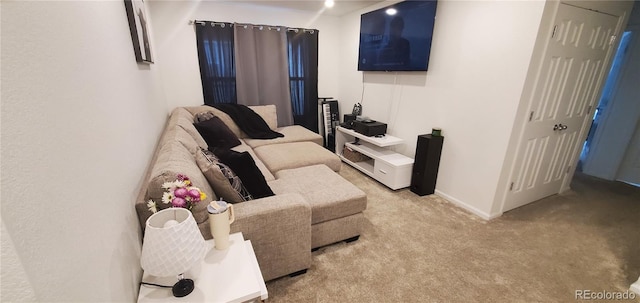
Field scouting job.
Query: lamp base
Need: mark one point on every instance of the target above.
(182, 288)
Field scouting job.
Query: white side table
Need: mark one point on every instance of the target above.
(230, 275)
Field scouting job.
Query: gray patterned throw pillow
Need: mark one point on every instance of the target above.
(223, 180)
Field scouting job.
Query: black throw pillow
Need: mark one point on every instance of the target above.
(216, 133)
(245, 168)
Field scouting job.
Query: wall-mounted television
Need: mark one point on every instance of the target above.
(397, 37)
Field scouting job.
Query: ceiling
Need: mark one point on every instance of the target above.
(340, 8)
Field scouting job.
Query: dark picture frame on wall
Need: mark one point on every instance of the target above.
(139, 28)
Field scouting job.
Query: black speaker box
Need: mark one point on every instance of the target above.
(425, 166)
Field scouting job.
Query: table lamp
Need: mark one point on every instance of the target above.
(172, 245)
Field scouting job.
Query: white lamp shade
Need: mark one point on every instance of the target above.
(171, 250)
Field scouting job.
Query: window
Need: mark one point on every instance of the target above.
(215, 42)
(302, 46)
(217, 62)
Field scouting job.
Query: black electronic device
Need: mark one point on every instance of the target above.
(370, 129)
(397, 37)
(425, 167)
(348, 121)
(331, 119)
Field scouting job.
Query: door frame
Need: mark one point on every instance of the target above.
(620, 9)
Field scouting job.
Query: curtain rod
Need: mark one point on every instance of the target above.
(261, 27)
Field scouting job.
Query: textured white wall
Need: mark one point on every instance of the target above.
(479, 59)
(80, 120)
(176, 42)
(16, 286)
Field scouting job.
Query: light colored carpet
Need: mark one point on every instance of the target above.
(424, 249)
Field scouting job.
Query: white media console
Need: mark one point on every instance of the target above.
(388, 167)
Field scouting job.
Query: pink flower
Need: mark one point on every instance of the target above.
(179, 202)
(182, 177)
(194, 194)
(180, 192)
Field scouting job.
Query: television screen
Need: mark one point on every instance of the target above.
(397, 37)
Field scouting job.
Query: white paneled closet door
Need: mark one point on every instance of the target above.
(567, 86)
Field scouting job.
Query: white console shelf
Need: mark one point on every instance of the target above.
(388, 167)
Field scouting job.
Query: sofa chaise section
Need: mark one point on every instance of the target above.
(336, 204)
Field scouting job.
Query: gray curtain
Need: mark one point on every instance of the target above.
(262, 69)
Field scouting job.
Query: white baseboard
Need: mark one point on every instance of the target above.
(635, 287)
(468, 207)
